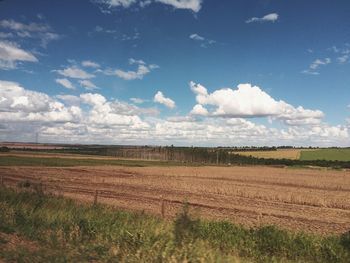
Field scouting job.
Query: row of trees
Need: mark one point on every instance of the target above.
(203, 155)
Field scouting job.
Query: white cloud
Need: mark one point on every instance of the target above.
(137, 100)
(104, 113)
(194, 5)
(142, 70)
(250, 101)
(92, 118)
(11, 54)
(204, 41)
(75, 72)
(318, 62)
(17, 26)
(160, 98)
(198, 109)
(136, 61)
(69, 99)
(40, 31)
(100, 29)
(87, 84)
(273, 17)
(65, 83)
(117, 3)
(93, 99)
(181, 119)
(312, 70)
(343, 59)
(89, 63)
(196, 37)
(20, 105)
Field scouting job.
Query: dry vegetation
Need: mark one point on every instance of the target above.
(310, 200)
(293, 154)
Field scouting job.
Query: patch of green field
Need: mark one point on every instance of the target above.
(66, 231)
(326, 154)
(67, 162)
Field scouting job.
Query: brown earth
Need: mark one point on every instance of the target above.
(302, 199)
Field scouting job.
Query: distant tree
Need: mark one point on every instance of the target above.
(4, 149)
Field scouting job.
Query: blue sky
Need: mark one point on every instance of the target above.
(184, 72)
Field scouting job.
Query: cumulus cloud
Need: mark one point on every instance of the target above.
(92, 118)
(69, 99)
(90, 64)
(199, 110)
(104, 113)
(87, 84)
(181, 119)
(65, 83)
(142, 70)
(11, 54)
(90, 113)
(18, 104)
(250, 101)
(40, 31)
(273, 17)
(75, 72)
(160, 98)
(194, 5)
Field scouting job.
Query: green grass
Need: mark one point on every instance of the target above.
(326, 154)
(66, 231)
(67, 162)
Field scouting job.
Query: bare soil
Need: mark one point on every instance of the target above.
(308, 200)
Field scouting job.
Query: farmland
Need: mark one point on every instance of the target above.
(292, 154)
(326, 154)
(329, 154)
(251, 195)
(303, 214)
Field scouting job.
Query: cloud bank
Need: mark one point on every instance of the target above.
(218, 118)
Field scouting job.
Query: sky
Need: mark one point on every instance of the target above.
(181, 72)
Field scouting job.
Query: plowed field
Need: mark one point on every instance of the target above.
(302, 199)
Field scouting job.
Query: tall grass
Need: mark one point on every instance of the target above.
(66, 231)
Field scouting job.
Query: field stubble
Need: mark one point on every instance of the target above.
(308, 200)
